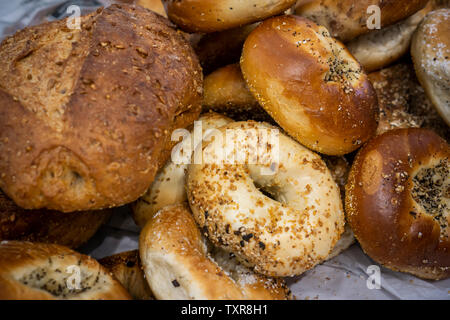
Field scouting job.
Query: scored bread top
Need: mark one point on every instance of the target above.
(84, 113)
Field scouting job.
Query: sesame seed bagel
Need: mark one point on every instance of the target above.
(38, 271)
(430, 50)
(180, 263)
(283, 236)
(212, 15)
(168, 186)
(310, 84)
(397, 202)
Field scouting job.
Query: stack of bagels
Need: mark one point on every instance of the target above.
(252, 140)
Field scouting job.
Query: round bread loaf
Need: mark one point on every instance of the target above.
(181, 264)
(68, 229)
(212, 15)
(347, 19)
(397, 202)
(126, 267)
(310, 84)
(85, 113)
(38, 271)
(430, 50)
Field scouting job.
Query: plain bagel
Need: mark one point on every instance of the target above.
(37, 271)
(168, 188)
(310, 84)
(180, 263)
(397, 202)
(430, 51)
(284, 234)
(211, 15)
(347, 19)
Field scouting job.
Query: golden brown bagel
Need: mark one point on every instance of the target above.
(127, 269)
(347, 19)
(181, 264)
(310, 84)
(68, 229)
(37, 271)
(430, 51)
(403, 102)
(84, 114)
(212, 15)
(225, 92)
(397, 202)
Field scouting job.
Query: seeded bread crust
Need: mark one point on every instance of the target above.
(85, 114)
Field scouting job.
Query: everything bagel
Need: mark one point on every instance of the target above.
(283, 236)
(180, 264)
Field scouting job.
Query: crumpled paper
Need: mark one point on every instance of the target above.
(347, 276)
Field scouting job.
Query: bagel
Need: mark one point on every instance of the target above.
(67, 229)
(37, 271)
(379, 48)
(225, 92)
(430, 51)
(127, 269)
(310, 84)
(283, 236)
(397, 202)
(168, 186)
(403, 102)
(209, 15)
(347, 19)
(85, 113)
(180, 264)
(154, 5)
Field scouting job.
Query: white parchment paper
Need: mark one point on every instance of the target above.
(344, 277)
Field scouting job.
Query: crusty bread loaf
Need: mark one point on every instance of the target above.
(84, 114)
(68, 229)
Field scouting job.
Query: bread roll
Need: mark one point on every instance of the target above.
(397, 202)
(127, 269)
(38, 271)
(181, 264)
(226, 92)
(67, 229)
(430, 50)
(347, 19)
(211, 15)
(310, 84)
(84, 114)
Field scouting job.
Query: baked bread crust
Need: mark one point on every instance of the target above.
(84, 114)
(68, 229)
(38, 271)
